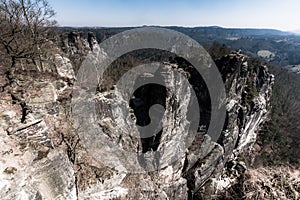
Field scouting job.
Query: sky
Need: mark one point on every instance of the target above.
(277, 14)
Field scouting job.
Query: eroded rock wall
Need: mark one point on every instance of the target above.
(42, 156)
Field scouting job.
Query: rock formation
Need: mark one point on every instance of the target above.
(42, 156)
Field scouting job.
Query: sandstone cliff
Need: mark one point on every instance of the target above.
(44, 158)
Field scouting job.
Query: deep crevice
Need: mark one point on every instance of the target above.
(141, 102)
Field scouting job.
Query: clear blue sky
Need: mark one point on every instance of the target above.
(279, 14)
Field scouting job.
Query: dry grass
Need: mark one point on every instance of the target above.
(276, 182)
(280, 182)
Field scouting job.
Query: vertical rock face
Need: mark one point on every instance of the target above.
(64, 67)
(248, 86)
(43, 158)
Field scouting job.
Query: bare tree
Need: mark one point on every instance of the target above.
(23, 29)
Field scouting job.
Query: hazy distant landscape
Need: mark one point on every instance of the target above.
(284, 46)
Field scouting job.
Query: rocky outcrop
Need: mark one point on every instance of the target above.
(248, 85)
(44, 158)
(30, 166)
(249, 89)
(64, 67)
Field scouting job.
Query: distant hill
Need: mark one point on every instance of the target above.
(211, 30)
(284, 46)
(232, 32)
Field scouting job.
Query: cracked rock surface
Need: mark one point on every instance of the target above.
(42, 156)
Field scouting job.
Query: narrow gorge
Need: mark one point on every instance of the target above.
(43, 157)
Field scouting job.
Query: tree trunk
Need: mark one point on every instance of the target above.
(11, 71)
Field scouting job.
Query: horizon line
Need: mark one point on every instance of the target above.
(180, 26)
